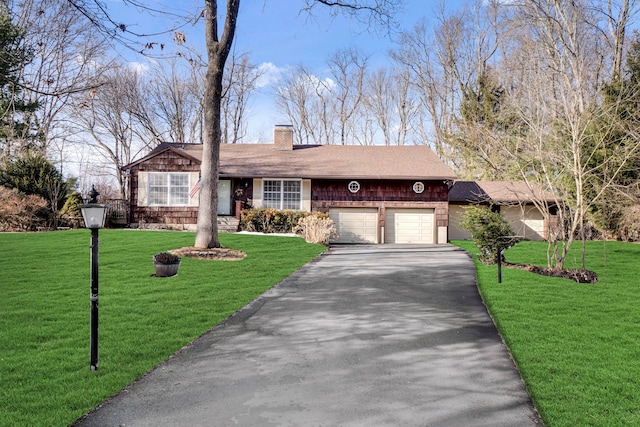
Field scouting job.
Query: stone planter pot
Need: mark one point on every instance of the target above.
(166, 270)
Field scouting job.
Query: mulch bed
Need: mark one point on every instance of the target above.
(580, 276)
(214, 254)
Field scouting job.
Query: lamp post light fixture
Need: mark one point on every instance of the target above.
(94, 215)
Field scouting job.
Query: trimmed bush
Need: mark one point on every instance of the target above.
(490, 232)
(271, 220)
(316, 229)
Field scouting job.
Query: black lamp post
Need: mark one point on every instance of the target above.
(94, 215)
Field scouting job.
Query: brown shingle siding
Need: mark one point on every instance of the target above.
(376, 191)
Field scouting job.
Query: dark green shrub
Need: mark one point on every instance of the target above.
(33, 173)
(271, 220)
(490, 232)
(166, 258)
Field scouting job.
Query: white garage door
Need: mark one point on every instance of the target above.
(409, 226)
(355, 225)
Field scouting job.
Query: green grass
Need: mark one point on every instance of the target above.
(577, 345)
(44, 304)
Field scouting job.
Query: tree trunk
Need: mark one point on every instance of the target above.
(217, 53)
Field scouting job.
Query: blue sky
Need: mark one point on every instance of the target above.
(277, 35)
(284, 36)
(274, 32)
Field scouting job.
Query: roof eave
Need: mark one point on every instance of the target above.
(345, 177)
(157, 153)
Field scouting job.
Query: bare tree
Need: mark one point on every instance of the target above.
(327, 110)
(618, 16)
(171, 105)
(308, 103)
(389, 99)
(240, 81)
(434, 83)
(109, 116)
(293, 97)
(68, 60)
(348, 68)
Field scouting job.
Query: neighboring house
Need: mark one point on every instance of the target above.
(514, 200)
(375, 194)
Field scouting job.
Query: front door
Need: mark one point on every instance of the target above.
(224, 197)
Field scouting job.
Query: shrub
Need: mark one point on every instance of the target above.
(316, 229)
(70, 214)
(490, 232)
(33, 173)
(19, 212)
(630, 224)
(271, 220)
(166, 258)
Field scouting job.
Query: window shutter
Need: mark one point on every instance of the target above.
(306, 195)
(143, 189)
(257, 192)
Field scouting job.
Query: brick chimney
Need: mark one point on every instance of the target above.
(283, 137)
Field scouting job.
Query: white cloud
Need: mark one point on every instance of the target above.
(269, 74)
(139, 67)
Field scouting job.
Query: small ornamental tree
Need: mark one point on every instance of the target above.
(490, 232)
(20, 212)
(70, 214)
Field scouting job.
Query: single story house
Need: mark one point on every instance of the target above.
(375, 194)
(513, 199)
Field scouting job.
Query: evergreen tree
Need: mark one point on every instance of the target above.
(614, 152)
(32, 173)
(15, 131)
(484, 127)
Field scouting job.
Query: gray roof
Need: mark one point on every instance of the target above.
(322, 161)
(497, 191)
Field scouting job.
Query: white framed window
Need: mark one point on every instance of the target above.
(354, 186)
(418, 187)
(169, 188)
(282, 193)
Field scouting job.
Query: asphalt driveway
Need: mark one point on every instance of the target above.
(383, 335)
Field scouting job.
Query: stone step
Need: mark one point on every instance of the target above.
(228, 224)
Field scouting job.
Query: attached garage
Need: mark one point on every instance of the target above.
(456, 232)
(409, 226)
(355, 225)
(525, 221)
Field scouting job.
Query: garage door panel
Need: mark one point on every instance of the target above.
(355, 225)
(409, 226)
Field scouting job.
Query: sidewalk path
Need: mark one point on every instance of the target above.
(383, 335)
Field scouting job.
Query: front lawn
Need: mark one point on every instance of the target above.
(577, 345)
(44, 306)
